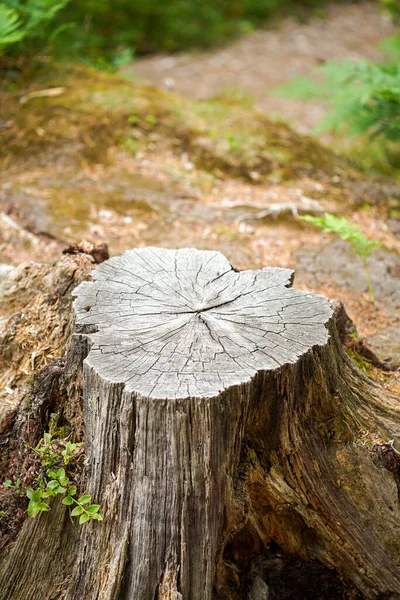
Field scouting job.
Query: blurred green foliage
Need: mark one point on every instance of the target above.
(363, 97)
(392, 7)
(109, 31)
(11, 30)
(29, 24)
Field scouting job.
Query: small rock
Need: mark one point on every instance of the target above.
(4, 271)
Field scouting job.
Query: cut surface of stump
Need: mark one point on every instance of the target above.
(183, 323)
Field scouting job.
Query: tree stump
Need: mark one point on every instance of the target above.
(224, 422)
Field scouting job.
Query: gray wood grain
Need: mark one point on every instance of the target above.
(183, 323)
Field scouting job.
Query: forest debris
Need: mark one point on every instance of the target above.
(348, 336)
(390, 459)
(294, 204)
(346, 329)
(275, 210)
(48, 93)
(99, 252)
(37, 325)
(7, 223)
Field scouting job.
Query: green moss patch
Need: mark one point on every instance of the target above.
(92, 113)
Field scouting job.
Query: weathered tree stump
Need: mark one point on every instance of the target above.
(170, 382)
(223, 421)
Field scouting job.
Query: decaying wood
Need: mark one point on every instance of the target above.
(348, 336)
(99, 252)
(229, 438)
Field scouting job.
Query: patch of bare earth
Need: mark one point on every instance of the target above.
(269, 58)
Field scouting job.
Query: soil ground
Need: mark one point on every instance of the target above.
(267, 59)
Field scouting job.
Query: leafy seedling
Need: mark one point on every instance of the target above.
(360, 245)
(13, 486)
(56, 481)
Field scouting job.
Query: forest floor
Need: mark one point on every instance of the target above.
(107, 158)
(266, 59)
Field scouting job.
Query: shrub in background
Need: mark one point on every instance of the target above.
(102, 29)
(363, 97)
(28, 25)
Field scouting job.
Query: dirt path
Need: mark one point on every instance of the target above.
(266, 59)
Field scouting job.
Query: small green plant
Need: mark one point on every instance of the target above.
(55, 481)
(131, 146)
(11, 30)
(235, 143)
(363, 99)
(14, 486)
(392, 7)
(151, 120)
(360, 245)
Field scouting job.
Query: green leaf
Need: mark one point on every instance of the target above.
(42, 506)
(68, 501)
(97, 517)
(47, 436)
(363, 96)
(53, 484)
(37, 495)
(7, 483)
(54, 491)
(60, 473)
(85, 499)
(84, 518)
(29, 493)
(51, 474)
(33, 509)
(313, 220)
(71, 491)
(93, 508)
(78, 510)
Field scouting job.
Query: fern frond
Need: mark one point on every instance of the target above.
(11, 27)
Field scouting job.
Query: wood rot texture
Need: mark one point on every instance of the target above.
(228, 437)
